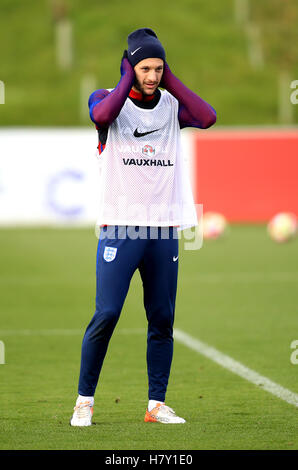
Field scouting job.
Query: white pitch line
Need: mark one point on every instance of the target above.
(236, 367)
(244, 277)
(202, 348)
(49, 332)
(218, 277)
(63, 332)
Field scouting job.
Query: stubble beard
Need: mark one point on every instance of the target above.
(141, 89)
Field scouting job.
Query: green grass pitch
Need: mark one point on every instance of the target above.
(238, 294)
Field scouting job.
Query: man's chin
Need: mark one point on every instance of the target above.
(148, 90)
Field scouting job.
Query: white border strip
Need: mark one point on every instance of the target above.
(237, 368)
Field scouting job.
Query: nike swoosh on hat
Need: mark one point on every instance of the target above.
(132, 53)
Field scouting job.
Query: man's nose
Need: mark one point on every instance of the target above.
(152, 76)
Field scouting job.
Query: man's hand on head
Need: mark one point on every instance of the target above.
(126, 67)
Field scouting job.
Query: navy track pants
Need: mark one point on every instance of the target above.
(154, 252)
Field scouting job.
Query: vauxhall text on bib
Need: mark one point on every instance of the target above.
(144, 179)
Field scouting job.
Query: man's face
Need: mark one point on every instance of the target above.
(148, 75)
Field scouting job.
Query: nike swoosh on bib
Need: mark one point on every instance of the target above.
(141, 134)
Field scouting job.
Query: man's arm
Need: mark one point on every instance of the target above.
(104, 106)
(193, 110)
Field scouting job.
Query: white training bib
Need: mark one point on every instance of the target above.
(144, 179)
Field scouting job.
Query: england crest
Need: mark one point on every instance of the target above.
(109, 253)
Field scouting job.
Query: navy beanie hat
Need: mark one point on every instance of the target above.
(142, 44)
